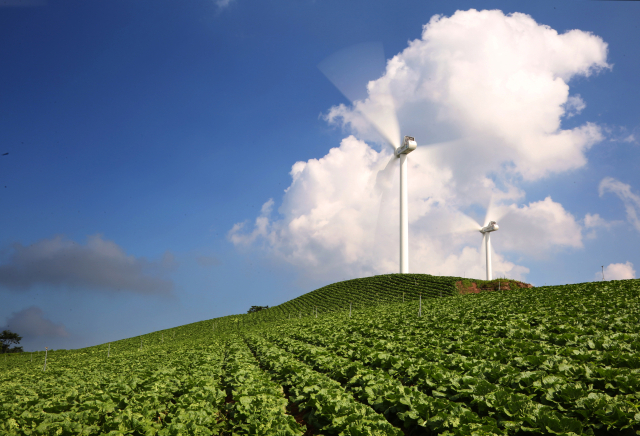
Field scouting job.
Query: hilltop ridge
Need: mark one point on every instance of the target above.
(383, 289)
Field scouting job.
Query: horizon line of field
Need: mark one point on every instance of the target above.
(275, 312)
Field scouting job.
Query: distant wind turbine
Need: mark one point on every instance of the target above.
(490, 225)
(486, 234)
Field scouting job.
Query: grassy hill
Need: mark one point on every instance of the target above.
(550, 360)
(365, 292)
(382, 289)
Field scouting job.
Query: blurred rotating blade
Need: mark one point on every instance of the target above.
(463, 223)
(350, 70)
(385, 175)
(383, 185)
(423, 150)
(482, 249)
(495, 212)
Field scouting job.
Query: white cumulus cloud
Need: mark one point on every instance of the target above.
(574, 105)
(539, 227)
(623, 191)
(593, 222)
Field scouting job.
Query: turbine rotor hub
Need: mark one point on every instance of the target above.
(491, 227)
(408, 145)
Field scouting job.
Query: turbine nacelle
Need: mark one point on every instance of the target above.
(491, 227)
(408, 145)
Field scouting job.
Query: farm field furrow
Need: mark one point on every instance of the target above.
(403, 405)
(200, 409)
(258, 405)
(573, 364)
(509, 411)
(432, 375)
(405, 333)
(325, 404)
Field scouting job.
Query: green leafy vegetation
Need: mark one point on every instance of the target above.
(364, 292)
(558, 360)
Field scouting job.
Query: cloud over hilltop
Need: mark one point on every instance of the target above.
(488, 93)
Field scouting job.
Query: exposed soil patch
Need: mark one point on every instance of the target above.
(477, 286)
(297, 414)
(229, 399)
(292, 408)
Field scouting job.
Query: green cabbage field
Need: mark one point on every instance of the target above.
(557, 360)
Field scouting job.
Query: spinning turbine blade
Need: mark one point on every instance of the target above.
(350, 70)
(383, 185)
(494, 212)
(382, 117)
(427, 152)
(465, 224)
(426, 148)
(383, 178)
(490, 212)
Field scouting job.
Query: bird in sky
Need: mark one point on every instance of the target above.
(4, 154)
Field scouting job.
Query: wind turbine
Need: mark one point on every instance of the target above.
(360, 62)
(486, 235)
(490, 225)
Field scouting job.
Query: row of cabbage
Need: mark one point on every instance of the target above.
(202, 385)
(148, 391)
(561, 359)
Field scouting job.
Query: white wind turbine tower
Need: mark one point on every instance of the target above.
(486, 235)
(348, 69)
(409, 144)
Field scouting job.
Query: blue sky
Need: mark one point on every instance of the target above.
(150, 145)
